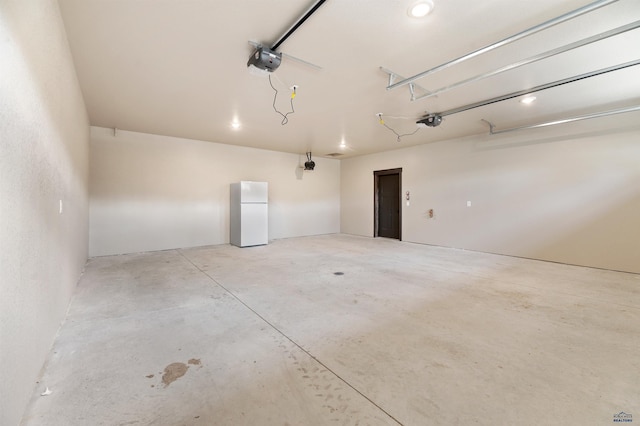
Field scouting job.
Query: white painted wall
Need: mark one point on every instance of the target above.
(150, 192)
(567, 194)
(44, 142)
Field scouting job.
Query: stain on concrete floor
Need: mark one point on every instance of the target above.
(173, 372)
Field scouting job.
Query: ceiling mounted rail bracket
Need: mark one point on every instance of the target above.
(412, 86)
(492, 130)
(550, 23)
(491, 126)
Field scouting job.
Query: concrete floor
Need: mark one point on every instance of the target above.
(409, 334)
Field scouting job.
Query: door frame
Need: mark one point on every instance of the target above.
(376, 201)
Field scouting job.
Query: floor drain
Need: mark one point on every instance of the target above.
(338, 273)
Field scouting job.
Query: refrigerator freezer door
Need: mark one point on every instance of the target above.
(254, 192)
(255, 224)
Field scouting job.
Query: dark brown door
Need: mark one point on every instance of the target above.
(388, 187)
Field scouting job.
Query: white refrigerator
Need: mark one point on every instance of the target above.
(249, 214)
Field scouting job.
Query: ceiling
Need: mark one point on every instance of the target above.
(179, 68)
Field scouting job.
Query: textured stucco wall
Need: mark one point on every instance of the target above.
(566, 194)
(151, 192)
(44, 144)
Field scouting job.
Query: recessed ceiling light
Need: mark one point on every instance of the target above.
(235, 124)
(527, 100)
(421, 9)
(343, 144)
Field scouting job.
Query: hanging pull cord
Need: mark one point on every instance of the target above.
(285, 117)
(398, 135)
